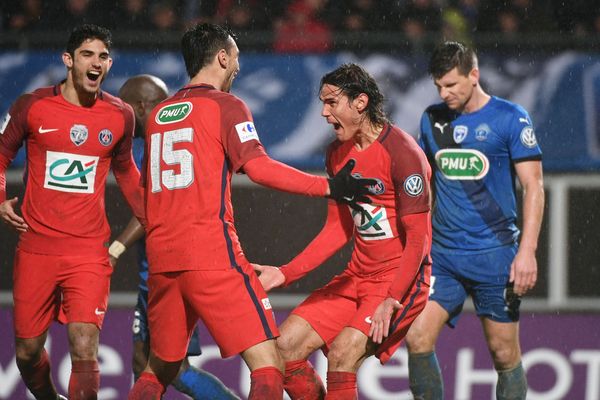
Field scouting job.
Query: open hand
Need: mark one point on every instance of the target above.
(347, 188)
(10, 217)
(380, 321)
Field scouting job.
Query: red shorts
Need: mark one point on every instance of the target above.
(58, 287)
(350, 301)
(232, 304)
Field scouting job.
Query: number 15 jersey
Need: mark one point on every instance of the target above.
(195, 140)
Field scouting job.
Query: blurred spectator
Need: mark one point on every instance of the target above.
(247, 15)
(360, 15)
(164, 16)
(512, 17)
(469, 9)
(420, 17)
(129, 15)
(578, 17)
(66, 14)
(455, 26)
(302, 30)
(25, 16)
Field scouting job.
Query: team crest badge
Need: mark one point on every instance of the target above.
(460, 133)
(413, 185)
(377, 188)
(79, 134)
(105, 137)
(482, 132)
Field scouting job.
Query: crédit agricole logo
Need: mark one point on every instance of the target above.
(68, 172)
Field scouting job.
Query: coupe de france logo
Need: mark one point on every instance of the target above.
(460, 133)
(79, 134)
(413, 185)
(528, 137)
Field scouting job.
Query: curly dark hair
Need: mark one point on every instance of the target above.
(84, 32)
(352, 79)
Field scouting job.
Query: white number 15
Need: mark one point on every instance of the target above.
(163, 143)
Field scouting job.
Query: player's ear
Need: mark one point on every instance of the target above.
(67, 59)
(110, 61)
(474, 76)
(361, 102)
(223, 58)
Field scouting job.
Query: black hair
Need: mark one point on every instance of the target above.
(200, 44)
(450, 55)
(84, 32)
(352, 79)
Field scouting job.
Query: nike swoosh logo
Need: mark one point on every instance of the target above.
(42, 130)
(98, 312)
(368, 320)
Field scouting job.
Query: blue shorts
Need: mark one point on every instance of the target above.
(484, 276)
(140, 326)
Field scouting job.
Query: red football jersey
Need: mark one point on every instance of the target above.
(69, 152)
(403, 173)
(195, 140)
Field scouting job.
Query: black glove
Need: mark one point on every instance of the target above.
(345, 188)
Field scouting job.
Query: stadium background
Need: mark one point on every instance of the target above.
(550, 64)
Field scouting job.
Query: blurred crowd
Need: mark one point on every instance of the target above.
(309, 25)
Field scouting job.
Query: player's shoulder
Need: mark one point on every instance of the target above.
(117, 104)
(439, 112)
(507, 106)
(114, 101)
(24, 102)
(396, 137)
(399, 144)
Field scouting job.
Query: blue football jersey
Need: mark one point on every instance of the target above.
(473, 158)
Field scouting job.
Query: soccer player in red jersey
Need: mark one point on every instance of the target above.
(367, 309)
(195, 141)
(74, 133)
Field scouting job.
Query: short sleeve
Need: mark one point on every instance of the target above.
(14, 126)
(239, 134)
(522, 141)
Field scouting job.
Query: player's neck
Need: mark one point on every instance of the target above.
(208, 77)
(70, 94)
(478, 100)
(366, 135)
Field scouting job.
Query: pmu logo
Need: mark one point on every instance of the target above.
(462, 164)
(173, 113)
(66, 172)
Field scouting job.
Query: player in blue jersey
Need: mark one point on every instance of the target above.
(477, 145)
(143, 93)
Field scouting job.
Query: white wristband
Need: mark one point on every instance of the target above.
(116, 249)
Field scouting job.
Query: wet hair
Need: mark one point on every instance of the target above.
(84, 32)
(200, 44)
(450, 55)
(353, 80)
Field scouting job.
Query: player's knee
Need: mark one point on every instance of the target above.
(338, 358)
(27, 353)
(504, 355)
(419, 341)
(83, 348)
(287, 348)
